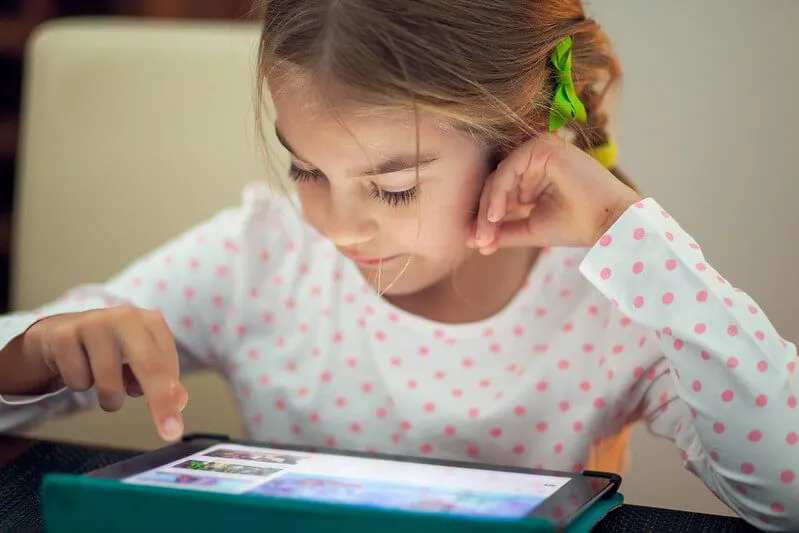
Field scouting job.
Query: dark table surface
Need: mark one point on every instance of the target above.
(23, 462)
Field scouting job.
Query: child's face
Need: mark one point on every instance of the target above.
(358, 187)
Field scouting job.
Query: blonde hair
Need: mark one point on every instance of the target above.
(482, 65)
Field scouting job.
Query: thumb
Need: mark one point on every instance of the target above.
(540, 229)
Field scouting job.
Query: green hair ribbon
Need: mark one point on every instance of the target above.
(566, 105)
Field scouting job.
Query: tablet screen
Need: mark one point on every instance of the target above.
(342, 479)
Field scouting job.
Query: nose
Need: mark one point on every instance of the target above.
(348, 223)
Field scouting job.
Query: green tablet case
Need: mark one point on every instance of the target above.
(94, 505)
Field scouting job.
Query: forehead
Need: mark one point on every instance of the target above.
(307, 113)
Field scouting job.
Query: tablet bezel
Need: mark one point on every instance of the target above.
(567, 503)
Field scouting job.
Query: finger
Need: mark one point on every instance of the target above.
(157, 375)
(69, 359)
(163, 338)
(539, 230)
(106, 364)
(484, 232)
(132, 387)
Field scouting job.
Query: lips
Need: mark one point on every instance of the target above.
(371, 261)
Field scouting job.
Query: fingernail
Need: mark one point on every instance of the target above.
(493, 217)
(172, 428)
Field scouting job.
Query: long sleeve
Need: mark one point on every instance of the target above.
(182, 279)
(726, 391)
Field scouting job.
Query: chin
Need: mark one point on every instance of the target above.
(393, 284)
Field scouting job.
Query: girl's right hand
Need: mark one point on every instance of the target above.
(117, 351)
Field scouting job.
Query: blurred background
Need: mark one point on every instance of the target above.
(18, 19)
(136, 114)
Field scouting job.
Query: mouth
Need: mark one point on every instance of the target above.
(372, 262)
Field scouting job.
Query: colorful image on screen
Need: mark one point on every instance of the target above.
(189, 481)
(362, 481)
(397, 496)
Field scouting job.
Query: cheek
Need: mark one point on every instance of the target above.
(448, 213)
(313, 203)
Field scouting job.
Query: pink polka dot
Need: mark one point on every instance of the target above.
(752, 309)
(519, 449)
(577, 426)
(638, 267)
(541, 427)
(792, 438)
(541, 386)
(754, 436)
(700, 329)
(714, 455)
(762, 366)
(558, 448)
(638, 302)
(678, 344)
(563, 406)
(701, 267)
(696, 385)
(639, 234)
(605, 274)
(732, 362)
(759, 335)
(449, 430)
(668, 298)
(748, 468)
(605, 241)
(761, 400)
(727, 395)
(732, 330)
(792, 402)
(519, 410)
(599, 403)
(671, 264)
(585, 386)
(701, 296)
(777, 507)
(718, 427)
(473, 450)
(669, 236)
(705, 356)
(787, 476)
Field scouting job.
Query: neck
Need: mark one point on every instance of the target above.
(467, 295)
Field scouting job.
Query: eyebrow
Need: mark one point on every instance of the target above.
(394, 163)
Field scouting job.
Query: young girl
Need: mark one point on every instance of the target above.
(459, 283)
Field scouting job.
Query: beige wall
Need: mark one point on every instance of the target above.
(707, 126)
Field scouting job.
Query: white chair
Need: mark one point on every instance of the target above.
(133, 131)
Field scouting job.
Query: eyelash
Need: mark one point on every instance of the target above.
(390, 198)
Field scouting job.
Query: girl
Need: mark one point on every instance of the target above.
(459, 283)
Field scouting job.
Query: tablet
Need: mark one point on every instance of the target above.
(400, 483)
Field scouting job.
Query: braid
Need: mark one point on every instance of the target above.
(596, 71)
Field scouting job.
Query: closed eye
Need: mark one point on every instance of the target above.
(390, 198)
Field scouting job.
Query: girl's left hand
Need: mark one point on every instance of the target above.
(547, 193)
